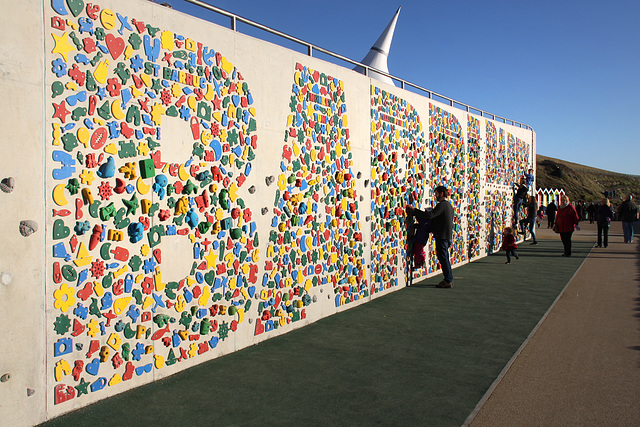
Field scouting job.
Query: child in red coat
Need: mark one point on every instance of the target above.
(509, 244)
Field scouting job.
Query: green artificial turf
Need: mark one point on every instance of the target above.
(418, 356)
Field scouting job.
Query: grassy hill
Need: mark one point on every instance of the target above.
(584, 182)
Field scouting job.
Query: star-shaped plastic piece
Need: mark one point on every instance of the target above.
(211, 258)
(131, 205)
(82, 387)
(63, 47)
(61, 111)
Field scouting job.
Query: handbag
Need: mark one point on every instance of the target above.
(556, 228)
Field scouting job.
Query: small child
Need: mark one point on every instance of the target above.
(509, 244)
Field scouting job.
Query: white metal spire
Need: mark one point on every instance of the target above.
(377, 56)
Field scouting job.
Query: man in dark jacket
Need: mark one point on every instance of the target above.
(442, 229)
(529, 222)
(520, 193)
(551, 213)
(628, 214)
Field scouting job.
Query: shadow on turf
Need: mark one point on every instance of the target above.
(424, 285)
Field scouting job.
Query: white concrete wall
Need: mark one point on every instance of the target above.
(22, 357)
(76, 333)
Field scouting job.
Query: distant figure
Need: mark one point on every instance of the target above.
(551, 214)
(530, 220)
(566, 222)
(604, 216)
(540, 216)
(580, 209)
(520, 193)
(592, 209)
(509, 244)
(628, 214)
(442, 230)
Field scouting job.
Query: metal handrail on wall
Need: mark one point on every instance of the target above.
(311, 48)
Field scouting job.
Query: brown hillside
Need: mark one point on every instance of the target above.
(584, 182)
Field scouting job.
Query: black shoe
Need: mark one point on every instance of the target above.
(517, 257)
(533, 243)
(444, 284)
(508, 262)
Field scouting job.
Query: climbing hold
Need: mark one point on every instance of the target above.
(147, 168)
(6, 278)
(108, 169)
(28, 227)
(7, 184)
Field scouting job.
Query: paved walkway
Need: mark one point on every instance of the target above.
(581, 367)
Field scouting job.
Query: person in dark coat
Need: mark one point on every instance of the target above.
(628, 214)
(442, 229)
(592, 210)
(509, 244)
(566, 222)
(604, 215)
(529, 222)
(520, 191)
(551, 213)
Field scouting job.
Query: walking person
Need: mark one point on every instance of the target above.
(592, 210)
(551, 214)
(509, 244)
(628, 214)
(566, 221)
(604, 215)
(442, 229)
(540, 216)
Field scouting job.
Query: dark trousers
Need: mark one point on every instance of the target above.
(529, 224)
(442, 252)
(566, 242)
(517, 204)
(511, 252)
(551, 219)
(603, 235)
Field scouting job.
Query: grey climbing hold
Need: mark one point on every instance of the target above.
(5, 378)
(6, 278)
(264, 211)
(7, 184)
(252, 189)
(30, 392)
(28, 227)
(270, 180)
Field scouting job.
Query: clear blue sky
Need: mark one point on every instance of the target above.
(570, 69)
